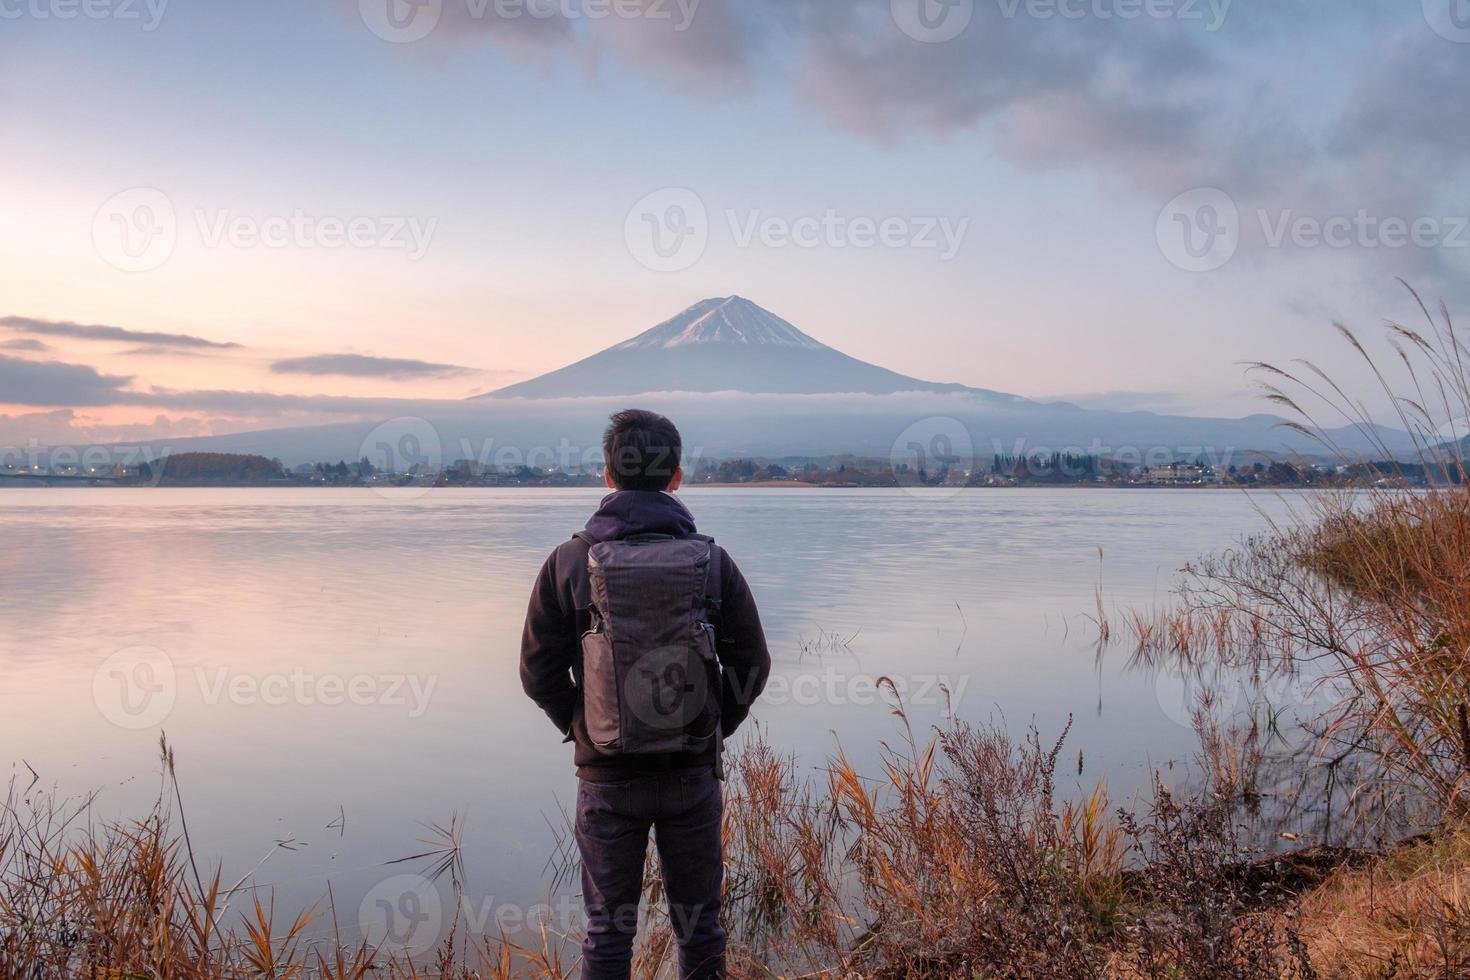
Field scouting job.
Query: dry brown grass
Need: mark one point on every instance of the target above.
(955, 861)
(958, 861)
(125, 901)
(1406, 915)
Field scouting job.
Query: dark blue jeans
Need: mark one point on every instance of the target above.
(685, 811)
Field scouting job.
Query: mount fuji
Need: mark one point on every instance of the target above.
(741, 381)
(727, 344)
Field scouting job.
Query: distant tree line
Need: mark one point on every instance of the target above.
(203, 469)
(1055, 469)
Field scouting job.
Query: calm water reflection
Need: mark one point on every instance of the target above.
(270, 605)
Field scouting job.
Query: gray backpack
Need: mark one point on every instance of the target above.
(650, 675)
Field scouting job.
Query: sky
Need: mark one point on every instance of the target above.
(226, 216)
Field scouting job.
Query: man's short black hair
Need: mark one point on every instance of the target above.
(642, 450)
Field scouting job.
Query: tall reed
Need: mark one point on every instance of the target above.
(1368, 591)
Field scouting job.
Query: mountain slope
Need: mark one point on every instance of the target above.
(741, 381)
(723, 320)
(726, 344)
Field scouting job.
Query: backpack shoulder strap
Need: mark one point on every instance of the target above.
(713, 576)
(582, 583)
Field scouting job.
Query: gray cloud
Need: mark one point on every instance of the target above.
(1059, 90)
(1164, 102)
(1404, 101)
(24, 344)
(261, 404)
(85, 331)
(460, 20)
(1219, 93)
(48, 384)
(715, 51)
(876, 79)
(64, 427)
(162, 350)
(361, 366)
(52, 383)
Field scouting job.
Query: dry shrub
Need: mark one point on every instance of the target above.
(960, 862)
(954, 862)
(1206, 914)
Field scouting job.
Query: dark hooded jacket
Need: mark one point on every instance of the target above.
(558, 616)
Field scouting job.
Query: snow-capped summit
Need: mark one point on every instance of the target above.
(723, 320)
(726, 343)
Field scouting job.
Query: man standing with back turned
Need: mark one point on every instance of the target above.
(644, 646)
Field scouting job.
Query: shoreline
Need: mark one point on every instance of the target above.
(758, 485)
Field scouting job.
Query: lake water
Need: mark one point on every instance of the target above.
(336, 668)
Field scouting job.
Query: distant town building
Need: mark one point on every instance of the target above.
(1179, 474)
